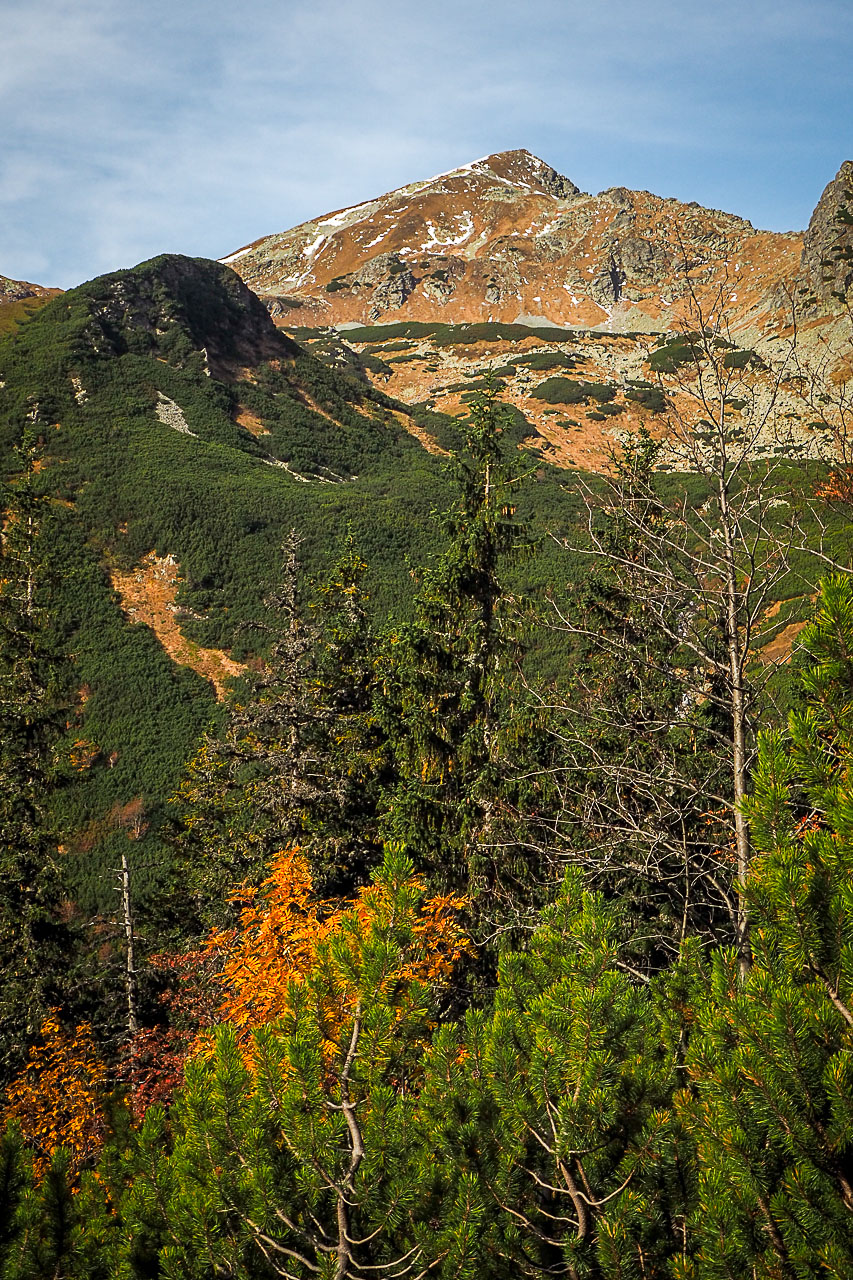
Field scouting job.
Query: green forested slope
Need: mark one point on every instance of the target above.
(87, 374)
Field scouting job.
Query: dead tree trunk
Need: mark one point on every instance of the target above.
(131, 984)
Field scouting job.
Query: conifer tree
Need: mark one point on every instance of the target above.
(302, 756)
(45, 1229)
(552, 1113)
(34, 941)
(451, 705)
(294, 1148)
(773, 1103)
(342, 826)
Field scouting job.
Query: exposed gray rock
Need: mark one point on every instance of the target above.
(606, 287)
(172, 415)
(390, 279)
(557, 184)
(502, 195)
(501, 278)
(528, 170)
(620, 196)
(644, 260)
(281, 305)
(16, 290)
(826, 267)
(440, 278)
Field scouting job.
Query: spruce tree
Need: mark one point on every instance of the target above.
(34, 940)
(341, 826)
(452, 706)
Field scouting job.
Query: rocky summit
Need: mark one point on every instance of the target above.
(826, 268)
(508, 239)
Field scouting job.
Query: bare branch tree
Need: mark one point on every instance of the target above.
(691, 540)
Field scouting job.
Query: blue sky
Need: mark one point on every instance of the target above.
(135, 127)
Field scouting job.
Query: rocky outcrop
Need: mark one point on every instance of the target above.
(283, 306)
(180, 306)
(440, 278)
(15, 290)
(645, 264)
(605, 288)
(389, 280)
(386, 280)
(826, 268)
(19, 290)
(526, 170)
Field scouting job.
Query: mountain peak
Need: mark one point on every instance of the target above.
(518, 168)
(175, 305)
(522, 168)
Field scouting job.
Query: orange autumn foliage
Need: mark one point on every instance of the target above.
(838, 487)
(56, 1098)
(273, 945)
(284, 931)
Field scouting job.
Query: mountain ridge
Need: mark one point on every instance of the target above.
(17, 290)
(506, 238)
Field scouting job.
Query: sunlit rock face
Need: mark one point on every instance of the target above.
(507, 237)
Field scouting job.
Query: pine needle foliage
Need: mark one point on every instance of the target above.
(294, 1153)
(554, 1110)
(34, 940)
(773, 1103)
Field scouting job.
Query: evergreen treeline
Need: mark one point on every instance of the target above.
(323, 451)
(587, 1120)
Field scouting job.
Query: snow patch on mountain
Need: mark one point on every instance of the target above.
(451, 242)
(311, 249)
(235, 257)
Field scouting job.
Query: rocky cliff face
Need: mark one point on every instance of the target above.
(507, 238)
(826, 269)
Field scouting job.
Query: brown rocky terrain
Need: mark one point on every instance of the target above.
(148, 595)
(508, 239)
(616, 380)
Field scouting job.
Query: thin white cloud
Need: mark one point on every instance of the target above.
(198, 126)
